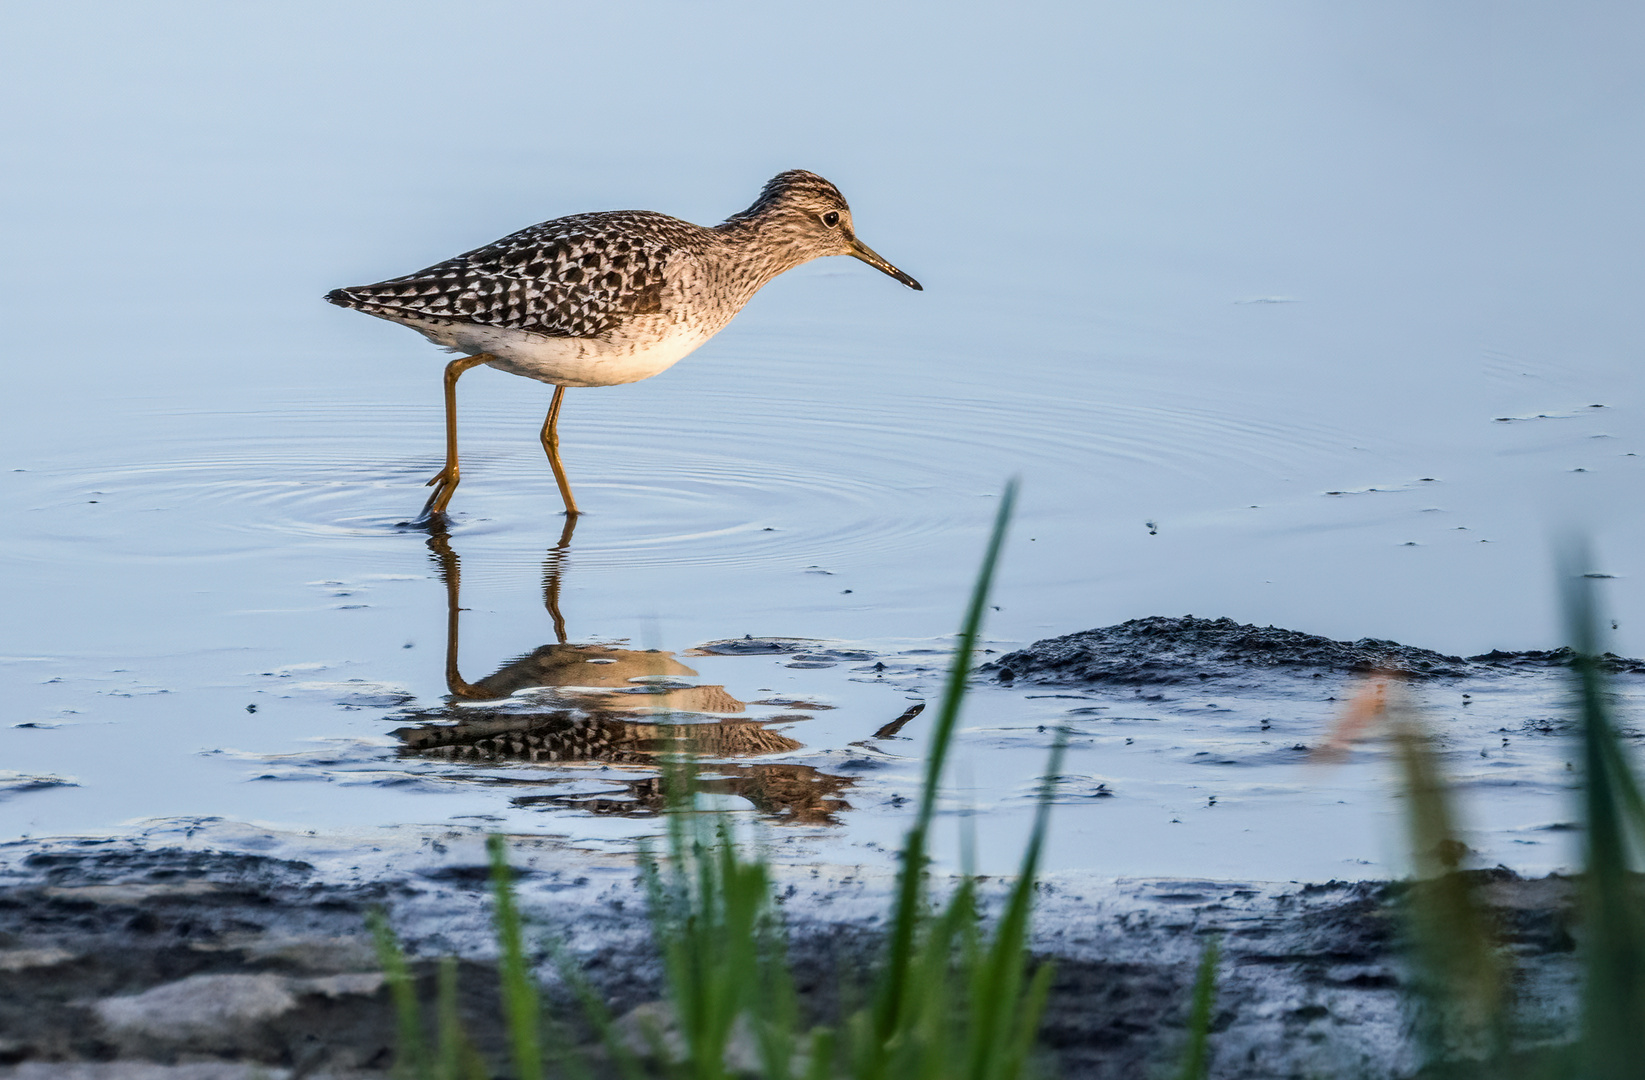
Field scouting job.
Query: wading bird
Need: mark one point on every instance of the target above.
(606, 298)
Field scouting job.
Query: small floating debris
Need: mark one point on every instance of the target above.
(16, 783)
(749, 645)
(1539, 416)
(896, 725)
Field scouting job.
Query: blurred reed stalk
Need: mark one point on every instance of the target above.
(1461, 992)
(1460, 983)
(1196, 1055)
(1613, 938)
(1457, 982)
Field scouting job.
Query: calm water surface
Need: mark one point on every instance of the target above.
(1298, 315)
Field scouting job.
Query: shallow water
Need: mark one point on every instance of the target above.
(1301, 316)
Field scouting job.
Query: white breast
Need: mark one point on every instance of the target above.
(644, 347)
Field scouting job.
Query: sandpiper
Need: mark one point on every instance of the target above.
(606, 298)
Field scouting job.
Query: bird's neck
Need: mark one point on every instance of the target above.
(763, 245)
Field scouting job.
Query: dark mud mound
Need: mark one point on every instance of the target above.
(1540, 659)
(1173, 650)
(1160, 650)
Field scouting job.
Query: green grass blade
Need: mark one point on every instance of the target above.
(520, 1003)
(1196, 1058)
(1461, 983)
(1614, 931)
(411, 1057)
(997, 1004)
(448, 1061)
(906, 913)
(1029, 1015)
(599, 1016)
(821, 1064)
(713, 923)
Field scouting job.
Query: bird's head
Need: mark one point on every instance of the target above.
(809, 216)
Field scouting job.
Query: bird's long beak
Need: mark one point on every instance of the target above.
(860, 250)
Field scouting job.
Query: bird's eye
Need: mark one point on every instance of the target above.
(832, 218)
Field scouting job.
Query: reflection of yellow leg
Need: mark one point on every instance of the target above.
(551, 446)
(552, 565)
(451, 572)
(444, 482)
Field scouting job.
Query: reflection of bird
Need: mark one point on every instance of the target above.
(546, 737)
(621, 680)
(608, 706)
(607, 298)
(789, 793)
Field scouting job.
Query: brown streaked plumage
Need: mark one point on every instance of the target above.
(607, 298)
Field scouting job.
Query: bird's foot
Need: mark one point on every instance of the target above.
(444, 484)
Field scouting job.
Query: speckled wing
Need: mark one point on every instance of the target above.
(573, 277)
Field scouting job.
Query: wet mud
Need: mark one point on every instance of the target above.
(1165, 650)
(117, 955)
(207, 944)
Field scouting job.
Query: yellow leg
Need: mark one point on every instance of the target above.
(551, 446)
(445, 481)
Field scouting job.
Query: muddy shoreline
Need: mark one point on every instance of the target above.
(124, 954)
(193, 947)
